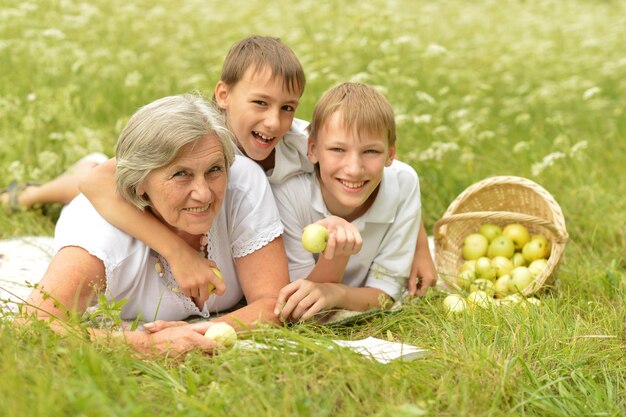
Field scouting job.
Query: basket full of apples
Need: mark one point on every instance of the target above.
(504, 236)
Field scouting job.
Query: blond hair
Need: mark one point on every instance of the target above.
(155, 135)
(361, 107)
(259, 52)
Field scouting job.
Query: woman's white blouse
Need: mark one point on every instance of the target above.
(247, 221)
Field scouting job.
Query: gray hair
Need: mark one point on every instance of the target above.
(155, 135)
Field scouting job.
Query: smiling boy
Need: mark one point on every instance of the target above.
(357, 186)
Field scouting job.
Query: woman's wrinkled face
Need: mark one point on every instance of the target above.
(187, 194)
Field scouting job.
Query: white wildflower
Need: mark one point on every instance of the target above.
(466, 127)
(132, 79)
(381, 89)
(404, 39)
(437, 151)
(47, 160)
(548, 161)
(521, 146)
(592, 92)
(360, 77)
(522, 118)
(423, 119)
(425, 97)
(578, 148)
(31, 97)
(17, 171)
(401, 118)
(434, 49)
(561, 141)
(53, 34)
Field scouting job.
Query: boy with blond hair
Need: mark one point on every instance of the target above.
(359, 191)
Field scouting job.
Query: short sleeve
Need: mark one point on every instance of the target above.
(391, 266)
(252, 215)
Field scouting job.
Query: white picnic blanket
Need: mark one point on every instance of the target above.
(23, 261)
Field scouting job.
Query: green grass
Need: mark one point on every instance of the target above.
(529, 88)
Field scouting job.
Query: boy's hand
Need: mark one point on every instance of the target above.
(302, 299)
(194, 275)
(344, 239)
(423, 274)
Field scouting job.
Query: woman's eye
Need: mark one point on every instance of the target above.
(179, 174)
(216, 168)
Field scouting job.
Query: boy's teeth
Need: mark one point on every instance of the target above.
(262, 136)
(353, 184)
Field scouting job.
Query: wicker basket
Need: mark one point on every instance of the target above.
(500, 200)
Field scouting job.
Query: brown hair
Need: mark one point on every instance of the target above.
(362, 108)
(261, 51)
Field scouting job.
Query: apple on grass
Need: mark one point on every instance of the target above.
(314, 238)
(474, 246)
(454, 303)
(479, 299)
(518, 233)
(222, 333)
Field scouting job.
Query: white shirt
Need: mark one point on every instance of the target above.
(389, 229)
(290, 156)
(247, 221)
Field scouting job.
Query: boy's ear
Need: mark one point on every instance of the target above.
(391, 155)
(221, 94)
(311, 151)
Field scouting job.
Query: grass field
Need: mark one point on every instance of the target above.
(529, 88)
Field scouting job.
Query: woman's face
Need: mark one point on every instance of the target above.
(187, 194)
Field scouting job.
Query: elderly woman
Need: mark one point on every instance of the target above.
(175, 159)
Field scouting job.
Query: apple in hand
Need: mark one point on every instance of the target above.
(490, 231)
(314, 238)
(222, 333)
(218, 274)
(474, 246)
(501, 246)
(521, 277)
(517, 233)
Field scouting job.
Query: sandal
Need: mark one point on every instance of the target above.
(13, 190)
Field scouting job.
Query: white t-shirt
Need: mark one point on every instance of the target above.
(389, 229)
(247, 221)
(291, 154)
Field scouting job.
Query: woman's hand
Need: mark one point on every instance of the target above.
(302, 299)
(194, 275)
(179, 340)
(344, 239)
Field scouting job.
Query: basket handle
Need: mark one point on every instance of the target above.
(562, 235)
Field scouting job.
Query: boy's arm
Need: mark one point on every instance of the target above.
(192, 272)
(302, 299)
(423, 271)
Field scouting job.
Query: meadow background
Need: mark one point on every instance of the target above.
(529, 88)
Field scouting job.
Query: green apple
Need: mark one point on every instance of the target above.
(537, 266)
(465, 278)
(484, 269)
(546, 243)
(518, 259)
(534, 249)
(482, 284)
(490, 231)
(218, 274)
(454, 303)
(502, 265)
(222, 333)
(468, 266)
(521, 277)
(314, 238)
(479, 299)
(517, 233)
(501, 287)
(501, 246)
(474, 246)
(512, 299)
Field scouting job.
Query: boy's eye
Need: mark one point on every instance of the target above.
(289, 108)
(373, 151)
(259, 102)
(336, 149)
